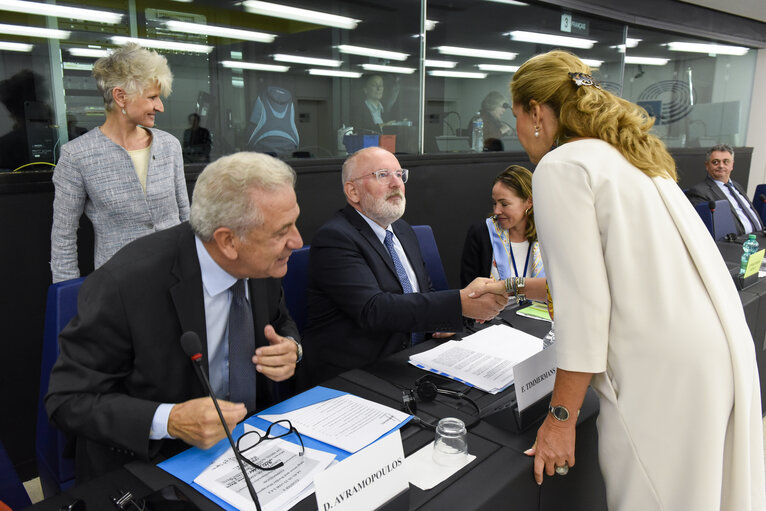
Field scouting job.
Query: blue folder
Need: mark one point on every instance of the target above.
(189, 464)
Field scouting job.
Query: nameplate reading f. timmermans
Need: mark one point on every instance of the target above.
(365, 480)
(534, 377)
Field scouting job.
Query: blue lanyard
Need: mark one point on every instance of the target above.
(513, 259)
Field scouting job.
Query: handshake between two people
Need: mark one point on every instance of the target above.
(483, 299)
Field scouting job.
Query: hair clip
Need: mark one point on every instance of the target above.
(581, 79)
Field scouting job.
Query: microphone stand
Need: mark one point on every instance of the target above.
(201, 374)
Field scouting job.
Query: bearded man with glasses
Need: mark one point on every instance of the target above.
(369, 293)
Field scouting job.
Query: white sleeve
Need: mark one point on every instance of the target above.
(572, 249)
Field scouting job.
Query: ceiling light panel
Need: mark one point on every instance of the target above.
(296, 14)
(88, 52)
(456, 74)
(443, 64)
(498, 67)
(372, 52)
(45, 33)
(710, 49)
(335, 72)
(163, 45)
(551, 40)
(648, 61)
(20, 47)
(309, 61)
(61, 11)
(389, 69)
(476, 52)
(254, 66)
(216, 31)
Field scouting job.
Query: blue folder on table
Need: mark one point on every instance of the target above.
(187, 465)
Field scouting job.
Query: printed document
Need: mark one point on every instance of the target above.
(483, 360)
(347, 422)
(276, 489)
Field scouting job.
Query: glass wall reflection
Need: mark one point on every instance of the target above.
(320, 80)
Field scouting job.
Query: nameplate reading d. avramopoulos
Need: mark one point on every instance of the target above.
(534, 377)
(366, 480)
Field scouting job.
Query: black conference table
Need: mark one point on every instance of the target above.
(499, 478)
(754, 304)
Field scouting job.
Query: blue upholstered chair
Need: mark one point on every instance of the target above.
(56, 472)
(431, 256)
(759, 203)
(723, 218)
(12, 492)
(295, 283)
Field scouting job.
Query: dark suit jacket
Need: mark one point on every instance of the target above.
(708, 190)
(357, 311)
(477, 254)
(362, 121)
(121, 356)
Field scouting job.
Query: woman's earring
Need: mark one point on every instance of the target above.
(526, 211)
(537, 131)
(126, 113)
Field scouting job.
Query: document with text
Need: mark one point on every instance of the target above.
(278, 489)
(348, 422)
(483, 360)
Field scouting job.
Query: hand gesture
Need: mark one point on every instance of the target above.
(277, 360)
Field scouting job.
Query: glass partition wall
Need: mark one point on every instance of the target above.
(317, 80)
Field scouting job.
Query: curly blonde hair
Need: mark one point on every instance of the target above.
(519, 180)
(588, 111)
(133, 69)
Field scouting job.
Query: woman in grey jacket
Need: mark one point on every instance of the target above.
(125, 175)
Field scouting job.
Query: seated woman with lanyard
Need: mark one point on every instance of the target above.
(504, 246)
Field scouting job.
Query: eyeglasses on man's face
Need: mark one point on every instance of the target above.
(385, 175)
(252, 438)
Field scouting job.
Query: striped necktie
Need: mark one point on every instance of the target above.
(416, 337)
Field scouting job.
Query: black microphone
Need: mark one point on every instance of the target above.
(192, 346)
(711, 205)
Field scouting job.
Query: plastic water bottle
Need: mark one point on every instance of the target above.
(749, 248)
(477, 133)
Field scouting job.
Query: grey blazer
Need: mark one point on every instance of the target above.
(96, 176)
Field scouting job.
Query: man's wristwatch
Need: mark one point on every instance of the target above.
(298, 346)
(560, 413)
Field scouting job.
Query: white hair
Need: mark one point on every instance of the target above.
(133, 69)
(221, 195)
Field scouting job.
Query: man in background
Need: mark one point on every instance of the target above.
(718, 185)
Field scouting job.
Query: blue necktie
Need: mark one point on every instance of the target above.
(745, 207)
(241, 348)
(405, 282)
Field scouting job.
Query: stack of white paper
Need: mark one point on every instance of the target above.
(483, 360)
(278, 489)
(347, 422)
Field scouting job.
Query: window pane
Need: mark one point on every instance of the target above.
(468, 40)
(700, 97)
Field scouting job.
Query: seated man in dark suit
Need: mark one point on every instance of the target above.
(122, 385)
(369, 294)
(718, 185)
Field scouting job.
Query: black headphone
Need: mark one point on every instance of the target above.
(425, 390)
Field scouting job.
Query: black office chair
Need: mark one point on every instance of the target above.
(719, 223)
(431, 256)
(295, 283)
(56, 471)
